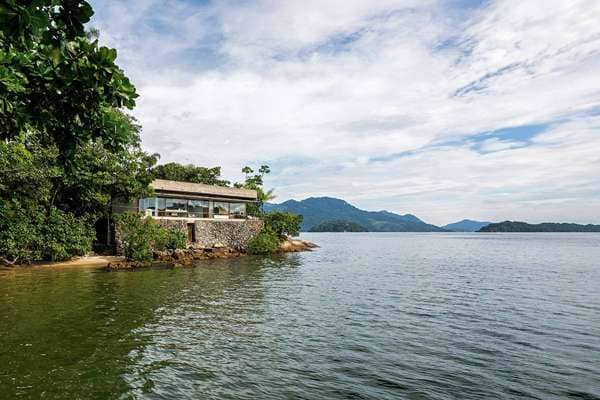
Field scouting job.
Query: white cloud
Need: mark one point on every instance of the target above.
(317, 89)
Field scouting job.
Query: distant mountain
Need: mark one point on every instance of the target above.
(320, 209)
(515, 226)
(466, 225)
(338, 225)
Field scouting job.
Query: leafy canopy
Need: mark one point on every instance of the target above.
(190, 173)
(56, 80)
(283, 223)
(66, 147)
(255, 181)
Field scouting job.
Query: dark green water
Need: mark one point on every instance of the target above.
(373, 316)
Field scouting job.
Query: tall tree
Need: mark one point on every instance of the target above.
(55, 80)
(255, 181)
(66, 147)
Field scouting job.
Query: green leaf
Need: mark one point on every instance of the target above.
(55, 56)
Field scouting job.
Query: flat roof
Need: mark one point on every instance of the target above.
(199, 189)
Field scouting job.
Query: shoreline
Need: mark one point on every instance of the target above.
(173, 258)
(186, 257)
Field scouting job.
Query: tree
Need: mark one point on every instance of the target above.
(283, 223)
(66, 147)
(255, 182)
(56, 81)
(190, 173)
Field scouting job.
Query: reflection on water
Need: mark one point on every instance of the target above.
(419, 316)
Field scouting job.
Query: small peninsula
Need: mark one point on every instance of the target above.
(517, 226)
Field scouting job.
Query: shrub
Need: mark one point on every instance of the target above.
(265, 242)
(140, 236)
(170, 239)
(20, 236)
(136, 235)
(33, 233)
(66, 236)
(283, 223)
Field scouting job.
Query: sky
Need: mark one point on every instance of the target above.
(487, 110)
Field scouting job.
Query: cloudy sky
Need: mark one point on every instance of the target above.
(445, 109)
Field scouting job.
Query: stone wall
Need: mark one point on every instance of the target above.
(229, 232)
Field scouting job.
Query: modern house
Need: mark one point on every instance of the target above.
(211, 215)
(186, 200)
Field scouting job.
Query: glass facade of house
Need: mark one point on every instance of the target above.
(186, 208)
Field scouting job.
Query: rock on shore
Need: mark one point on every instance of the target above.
(294, 245)
(188, 256)
(178, 257)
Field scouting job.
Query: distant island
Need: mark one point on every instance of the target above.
(516, 226)
(317, 210)
(466, 225)
(338, 225)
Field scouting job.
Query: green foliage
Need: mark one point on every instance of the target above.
(66, 236)
(278, 225)
(55, 80)
(254, 181)
(190, 173)
(38, 190)
(283, 223)
(265, 242)
(66, 148)
(20, 233)
(137, 235)
(30, 233)
(141, 236)
(169, 239)
(96, 175)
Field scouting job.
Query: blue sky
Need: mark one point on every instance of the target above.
(444, 109)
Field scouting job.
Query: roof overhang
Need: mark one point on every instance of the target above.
(201, 191)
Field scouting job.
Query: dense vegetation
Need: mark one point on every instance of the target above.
(278, 227)
(515, 226)
(67, 149)
(338, 225)
(67, 146)
(319, 209)
(142, 236)
(190, 173)
(265, 242)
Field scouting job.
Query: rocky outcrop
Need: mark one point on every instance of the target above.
(295, 245)
(177, 257)
(191, 255)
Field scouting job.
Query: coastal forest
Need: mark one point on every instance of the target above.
(68, 145)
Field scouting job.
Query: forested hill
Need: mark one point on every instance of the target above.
(515, 226)
(321, 209)
(338, 225)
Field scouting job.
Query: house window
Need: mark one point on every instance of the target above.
(220, 209)
(184, 208)
(237, 210)
(176, 208)
(198, 209)
(160, 204)
(149, 205)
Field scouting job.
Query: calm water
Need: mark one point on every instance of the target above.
(368, 316)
